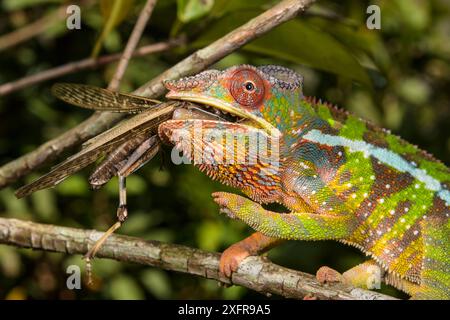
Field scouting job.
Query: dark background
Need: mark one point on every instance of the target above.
(397, 77)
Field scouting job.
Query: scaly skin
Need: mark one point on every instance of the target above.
(339, 176)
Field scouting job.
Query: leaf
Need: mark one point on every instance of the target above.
(359, 39)
(125, 288)
(135, 185)
(188, 10)
(294, 41)
(222, 7)
(137, 223)
(209, 235)
(113, 12)
(44, 203)
(157, 282)
(75, 185)
(12, 5)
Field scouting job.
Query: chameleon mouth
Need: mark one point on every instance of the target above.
(219, 113)
(222, 109)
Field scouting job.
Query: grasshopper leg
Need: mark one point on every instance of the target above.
(141, 155)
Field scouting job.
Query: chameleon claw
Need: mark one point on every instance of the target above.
(327, 275)
(231, 259)
(221, 198)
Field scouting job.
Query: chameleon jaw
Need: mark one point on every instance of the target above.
(222, 106)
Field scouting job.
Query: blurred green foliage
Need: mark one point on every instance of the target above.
(397, 77)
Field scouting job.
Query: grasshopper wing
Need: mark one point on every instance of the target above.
(95, 98)
(141, 124)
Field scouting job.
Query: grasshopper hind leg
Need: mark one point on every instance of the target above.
(141, 155)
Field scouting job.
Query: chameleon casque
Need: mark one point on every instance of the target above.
(339, 177)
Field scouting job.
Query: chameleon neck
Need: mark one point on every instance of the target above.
(293, 116)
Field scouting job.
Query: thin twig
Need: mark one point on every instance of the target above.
(76, 66)
(255, 273)
(33, 29)
(136, 34)
(196, 62)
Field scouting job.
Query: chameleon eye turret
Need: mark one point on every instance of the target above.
(247, 88)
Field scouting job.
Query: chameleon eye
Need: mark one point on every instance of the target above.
(247, 88)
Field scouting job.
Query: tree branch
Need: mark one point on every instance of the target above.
(33, 29)
(75, 66)
(131, 44)
(255, 273)
(196, 62)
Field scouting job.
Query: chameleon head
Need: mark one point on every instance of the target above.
(260, 94)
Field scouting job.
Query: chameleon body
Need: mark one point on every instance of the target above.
(338, 176)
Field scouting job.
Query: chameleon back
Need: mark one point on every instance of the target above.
(390, 185)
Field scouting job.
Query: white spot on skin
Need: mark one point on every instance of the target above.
(340, 154)
(388, 186)
(416, 232)
(369, 204)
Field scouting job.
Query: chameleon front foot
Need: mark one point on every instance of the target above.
(227, 203)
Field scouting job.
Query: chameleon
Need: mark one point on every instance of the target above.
(338, 177)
